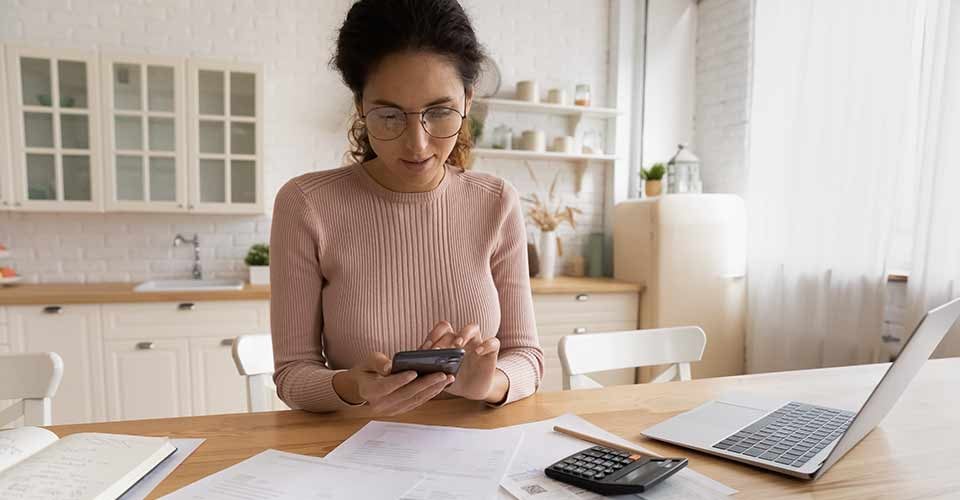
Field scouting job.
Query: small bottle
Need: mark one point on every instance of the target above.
(582, 95)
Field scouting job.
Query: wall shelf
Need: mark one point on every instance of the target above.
(547, 108)
(516, 154)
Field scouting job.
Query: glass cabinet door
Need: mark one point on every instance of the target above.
(146, 112)
(226, 138)
(55, 144)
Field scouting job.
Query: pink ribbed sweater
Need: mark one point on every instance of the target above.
(357, 268)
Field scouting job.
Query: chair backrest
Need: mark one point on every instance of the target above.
(253, 355)
(593, 352)
(32, 379)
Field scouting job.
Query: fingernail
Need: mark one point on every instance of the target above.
(458, 342)
(479, 350)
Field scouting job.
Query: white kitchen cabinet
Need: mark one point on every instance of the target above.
(217, 387)
(200, 334)
(144, 101)
(147, 379)
(564, 314)
(226, 137)
(73, 332)
(6, 169)
(54, 120)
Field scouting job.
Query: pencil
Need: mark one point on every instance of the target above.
(603, 442)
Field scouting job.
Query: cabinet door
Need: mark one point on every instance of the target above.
(559, 315)
(144, 131)
(226, 138)
(73, 332)
(147, 379)
(217, 385)
(6, 169)
(54, 109)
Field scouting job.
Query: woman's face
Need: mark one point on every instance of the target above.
(413, 81)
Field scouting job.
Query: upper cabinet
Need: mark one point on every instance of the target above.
(145, 133)
(54, 109)
(131, 133)
(6, 169)
(226, 137)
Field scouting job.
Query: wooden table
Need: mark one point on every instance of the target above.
(915, 453)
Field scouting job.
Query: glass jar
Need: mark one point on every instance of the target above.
(502, 137)
(582, 95)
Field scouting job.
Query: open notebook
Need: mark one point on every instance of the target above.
(34, 463)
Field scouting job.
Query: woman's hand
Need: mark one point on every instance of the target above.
(478, 377)
(371, 381)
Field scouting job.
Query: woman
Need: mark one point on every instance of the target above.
(404, 249)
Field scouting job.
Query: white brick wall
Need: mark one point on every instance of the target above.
(723, 82)
(558, 42)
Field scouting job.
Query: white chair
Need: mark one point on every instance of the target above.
(593, 352)
(253, 355)
(32, 379)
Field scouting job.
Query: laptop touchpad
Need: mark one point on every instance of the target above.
(729, 417)
(707, 423)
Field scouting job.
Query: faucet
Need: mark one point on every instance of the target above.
(197, 271)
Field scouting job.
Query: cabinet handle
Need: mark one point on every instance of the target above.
(186, 306)
(226, 342)
(53, 310)
(144, 346)
(583, 297)
(580, 329)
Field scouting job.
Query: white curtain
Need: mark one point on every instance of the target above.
(833, 128)
(935, 270)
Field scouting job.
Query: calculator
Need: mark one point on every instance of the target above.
(613, 472)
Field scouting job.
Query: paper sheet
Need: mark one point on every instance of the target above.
(526, 480)
(458, 464)
(277, 475)
(185, 447)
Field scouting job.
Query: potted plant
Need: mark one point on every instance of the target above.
(652, 185)
(548, 215)
(258, 258)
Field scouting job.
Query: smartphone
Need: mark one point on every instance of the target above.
(428, 361)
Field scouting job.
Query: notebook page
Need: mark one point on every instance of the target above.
(83, 466)
(18, 444)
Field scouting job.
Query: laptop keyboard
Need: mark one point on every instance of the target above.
(791, 435)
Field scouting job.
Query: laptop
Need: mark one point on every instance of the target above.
(799, 439)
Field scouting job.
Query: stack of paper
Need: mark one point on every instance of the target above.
(419, 462)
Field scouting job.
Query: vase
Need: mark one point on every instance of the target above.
(259, 275)
(548, 254)
(652, 188)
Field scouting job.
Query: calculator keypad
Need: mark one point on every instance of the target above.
(595, 463)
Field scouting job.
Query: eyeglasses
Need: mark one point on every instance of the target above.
(387, 123)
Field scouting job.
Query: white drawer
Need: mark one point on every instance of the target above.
(4, 334)
(160, 320)
(586, 308)
(3, 315)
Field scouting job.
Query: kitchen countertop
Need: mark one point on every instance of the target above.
(99, 293)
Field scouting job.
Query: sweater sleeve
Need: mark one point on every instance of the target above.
(296, 319)
(521, 358)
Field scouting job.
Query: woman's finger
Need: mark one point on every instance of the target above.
(397, 399)
(489, 346)
(469, 335)
(378, 362)
(425, 395)
(374, 387)
(441, 329)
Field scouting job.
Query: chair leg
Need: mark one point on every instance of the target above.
(37, 412)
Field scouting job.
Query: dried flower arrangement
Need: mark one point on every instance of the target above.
(550, 213)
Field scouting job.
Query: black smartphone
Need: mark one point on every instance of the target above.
(428, 361)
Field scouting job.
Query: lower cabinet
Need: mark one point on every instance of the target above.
(217, 387)
(144, 360)
(564, 314)
(72, 331)
(147, 379)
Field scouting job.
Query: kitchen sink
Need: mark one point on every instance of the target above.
(188, 285)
